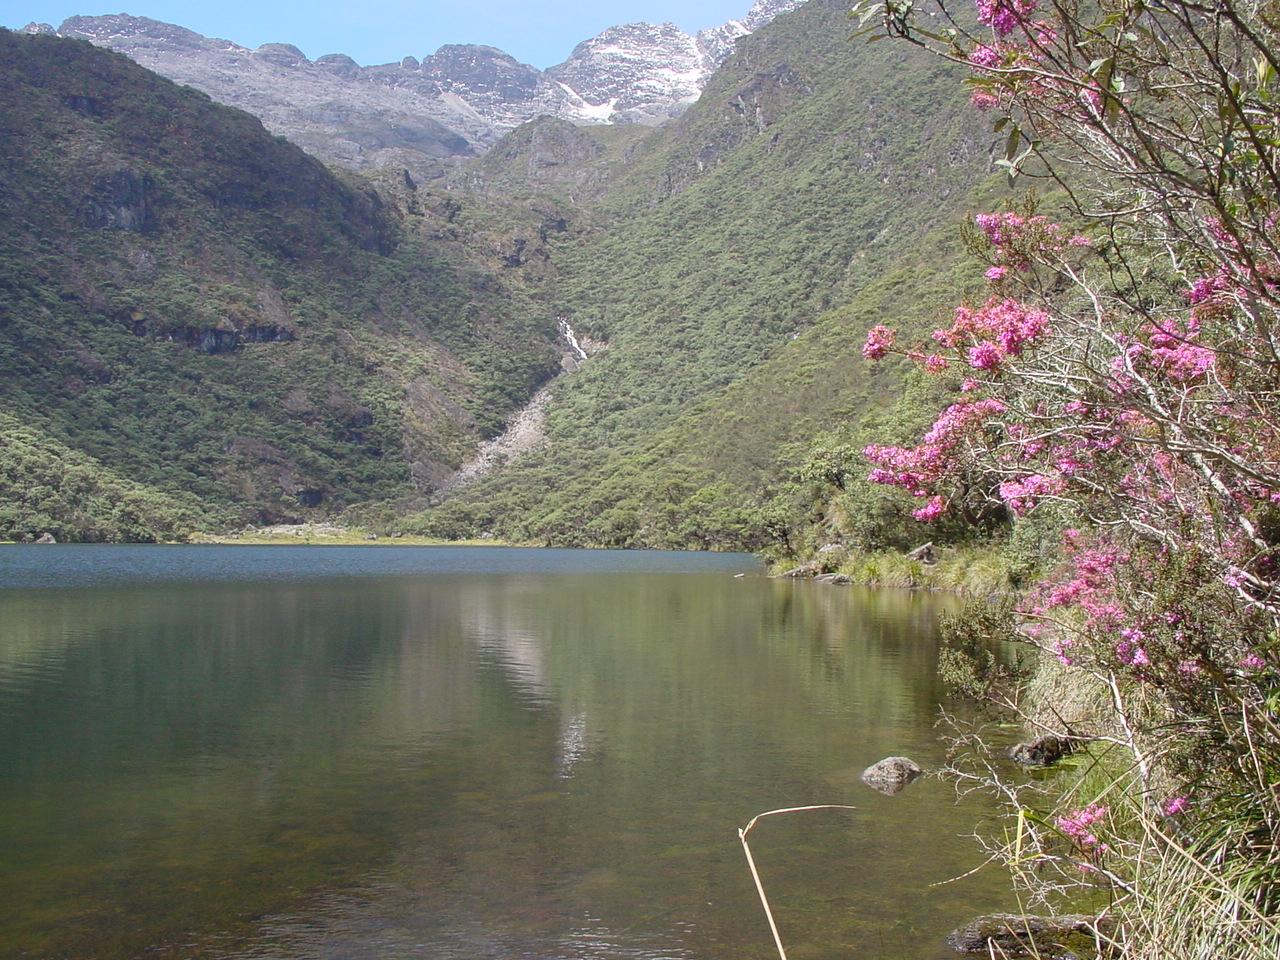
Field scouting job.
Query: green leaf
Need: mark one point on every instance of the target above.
(1264, 71)
(1012, 144)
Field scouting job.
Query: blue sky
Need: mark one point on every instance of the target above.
(378, 31)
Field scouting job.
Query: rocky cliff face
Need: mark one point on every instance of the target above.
(638, 72)
(454, 103)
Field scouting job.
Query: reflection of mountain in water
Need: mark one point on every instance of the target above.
(511, 645)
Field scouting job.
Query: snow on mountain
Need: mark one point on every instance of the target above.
(644, 70)
(717, 42)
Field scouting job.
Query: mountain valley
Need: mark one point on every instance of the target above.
(201, 315)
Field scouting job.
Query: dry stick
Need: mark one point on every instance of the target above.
(755, 874)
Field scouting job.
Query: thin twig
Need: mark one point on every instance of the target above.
(751, 862)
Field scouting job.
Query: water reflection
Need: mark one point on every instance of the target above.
(506, 765)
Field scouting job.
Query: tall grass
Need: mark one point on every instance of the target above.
(980, 571)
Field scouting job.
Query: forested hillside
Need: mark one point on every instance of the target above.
(199, 310)
(815, 189)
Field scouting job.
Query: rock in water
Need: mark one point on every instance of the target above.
(839, 579)
(1014, 935)
(891, 774)
(1041, 751)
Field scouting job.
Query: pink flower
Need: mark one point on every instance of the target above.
(1205, 287)
(985, 356)
(990, 224)
(983, 100)
(934, 363)
(1176, 805)
(879, 340)
(995, 274)
(1252, 663)
(931, 511)
(1005, 16)
(984, 56)
(1022, 495)
(1078, 825)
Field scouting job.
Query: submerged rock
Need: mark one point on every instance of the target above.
(837, 578)
(1015, 935)
(1041, 751)
(891, 774)
(801, 572)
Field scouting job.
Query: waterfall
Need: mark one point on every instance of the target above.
(525, 429)
(571, 338)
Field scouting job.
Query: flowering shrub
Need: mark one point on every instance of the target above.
(1131, 378)
(1080, 827)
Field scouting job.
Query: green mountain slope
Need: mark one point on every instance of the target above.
(203, 312)
(807, 178)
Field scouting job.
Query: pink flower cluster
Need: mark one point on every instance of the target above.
(917, 469)
(1079, 826)
(984, 56)
(999, 227)
(1088, 583)
(931, 511)
(1005, 16)
(1017, 239)
(1252, 662)
(1175, 352)
(997, 330)
(1021, 495)
(879, 339)
(1206, 288)
(1129, 649)
(1176, 805)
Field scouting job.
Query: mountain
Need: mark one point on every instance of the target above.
(451, 104)
(203, 326)
(813, 190)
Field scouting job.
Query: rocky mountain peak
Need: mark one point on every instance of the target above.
(115, 30)
(281, 54)
(486, 71)
(641, 69)
(717, 42)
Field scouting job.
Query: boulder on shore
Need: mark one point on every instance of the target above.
(1041, 751)
(924, 554)
(891, 774)
(1015, 935)
(47, 538)
(801, 572)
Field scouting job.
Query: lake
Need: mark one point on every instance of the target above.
(462, 754)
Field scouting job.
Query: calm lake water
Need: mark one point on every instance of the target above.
(463, 754)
